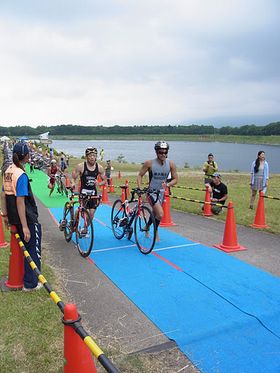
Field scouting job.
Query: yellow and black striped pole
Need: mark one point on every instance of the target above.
(97, 352)
(198, 201)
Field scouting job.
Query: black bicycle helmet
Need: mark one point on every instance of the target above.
(161, 145)
(90, 150)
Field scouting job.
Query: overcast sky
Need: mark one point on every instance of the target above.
(126, 62)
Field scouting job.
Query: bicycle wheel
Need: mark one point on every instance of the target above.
(67, 222)
(84, 233)
(118, 219)
(145, 230)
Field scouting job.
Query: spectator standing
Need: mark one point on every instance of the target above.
(19, 209)
(259, 176)
(63, 165)
(219, 192)
(101, 154)
(209, 168)
(108, 170)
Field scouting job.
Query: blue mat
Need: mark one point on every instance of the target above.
(224, 314)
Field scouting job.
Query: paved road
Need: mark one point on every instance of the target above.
(109, 314)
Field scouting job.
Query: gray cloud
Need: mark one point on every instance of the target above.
(135, 62)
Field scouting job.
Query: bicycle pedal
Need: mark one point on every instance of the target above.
(123, 222)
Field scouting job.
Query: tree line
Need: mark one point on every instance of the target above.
(69, 129)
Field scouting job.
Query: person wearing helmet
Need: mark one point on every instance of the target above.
(53, 169)
(88, 172)
(160, 170)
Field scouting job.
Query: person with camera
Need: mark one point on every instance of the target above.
(209, 168)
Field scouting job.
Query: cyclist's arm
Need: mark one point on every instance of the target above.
(76, 173)
(102, 175)
(146, 167)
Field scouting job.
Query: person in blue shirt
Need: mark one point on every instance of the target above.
(19, 209)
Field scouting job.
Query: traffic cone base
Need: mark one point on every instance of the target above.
(230, 249)
(169, 224)
(260, 226)
(4, 287)
(230, 243)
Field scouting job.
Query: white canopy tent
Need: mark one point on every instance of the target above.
(4, 138)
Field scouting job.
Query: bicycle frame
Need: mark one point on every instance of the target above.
(138, 219)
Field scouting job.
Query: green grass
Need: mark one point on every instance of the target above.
(31, 338)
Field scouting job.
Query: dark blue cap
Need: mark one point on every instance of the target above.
(21, 149)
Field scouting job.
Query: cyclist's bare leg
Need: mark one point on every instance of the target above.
(51, 187)
(158, 214)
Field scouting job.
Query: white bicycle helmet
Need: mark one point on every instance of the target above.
(161, 145)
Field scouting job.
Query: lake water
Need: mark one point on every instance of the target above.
(229, 156)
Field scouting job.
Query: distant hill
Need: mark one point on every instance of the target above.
(194, 129)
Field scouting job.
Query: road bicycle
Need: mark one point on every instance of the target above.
(132, 215)
(78, 221)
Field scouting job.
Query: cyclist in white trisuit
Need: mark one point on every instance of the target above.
(160, 169)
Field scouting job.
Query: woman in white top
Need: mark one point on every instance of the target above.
(259, 176)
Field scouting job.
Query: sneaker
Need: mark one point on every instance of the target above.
(38, 287)
(62, 225)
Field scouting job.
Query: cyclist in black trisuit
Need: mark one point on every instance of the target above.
(88, 172)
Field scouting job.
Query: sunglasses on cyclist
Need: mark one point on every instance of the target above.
(162, 152)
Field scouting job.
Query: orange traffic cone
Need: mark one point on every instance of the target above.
(166, 221)
(78, 357)
(207, 210)
(112, 189)
(3, 243)
(16, 263)
(67, 181)
(119, 175)
(105, 194)
(123, 198)
(99, 178)
(127, 192)
(259, 221)
(230, 237)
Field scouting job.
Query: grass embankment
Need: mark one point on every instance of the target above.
(268, 140)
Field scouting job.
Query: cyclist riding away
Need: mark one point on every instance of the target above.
(52, 171)
(159, 170)
(88, 172)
